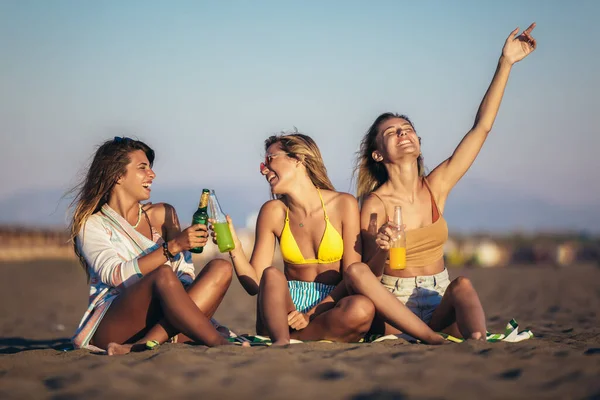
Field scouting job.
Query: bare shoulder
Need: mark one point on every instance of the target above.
(272, 206)
(271, 212)
(157, 210)
(341, 200)
(162, 214)
(372, 204)
(435, 182)
(347, 202)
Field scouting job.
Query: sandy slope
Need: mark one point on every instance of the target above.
(41, 303)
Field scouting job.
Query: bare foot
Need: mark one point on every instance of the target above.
(116, 349)
(436, 341)
(477, 336)
(280, 343)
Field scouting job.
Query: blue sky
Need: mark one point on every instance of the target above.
(204, 83)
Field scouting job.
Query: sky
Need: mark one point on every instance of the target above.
(204, 83)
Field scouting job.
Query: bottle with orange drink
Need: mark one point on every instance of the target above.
(398, 243)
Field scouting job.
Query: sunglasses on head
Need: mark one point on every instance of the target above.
(122, 139)
(270, 157)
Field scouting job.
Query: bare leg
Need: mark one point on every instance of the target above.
(347, 322)
(379, 326)
(274, 305)
(361, 280)
(142, 305)
(460, 312)
(207, 292)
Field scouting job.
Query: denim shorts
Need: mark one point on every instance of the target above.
(421, 294)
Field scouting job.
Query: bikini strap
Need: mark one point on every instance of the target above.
(152, 229)
(384, 208)
(147, 219)
(432, 197)
(323, 205)
(287, 214)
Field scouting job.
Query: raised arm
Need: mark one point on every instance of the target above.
(449, 172)
(250, 272)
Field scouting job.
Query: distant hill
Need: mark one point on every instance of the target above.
(45, 207)
(477, 207)
(471, 207)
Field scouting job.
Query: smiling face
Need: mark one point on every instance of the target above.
(137, 179)
(396, 139)
(293, 160)
(391, 138)
(279, 169)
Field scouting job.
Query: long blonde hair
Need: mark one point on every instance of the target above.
(370, 173)
(304, 149)
(108, 165)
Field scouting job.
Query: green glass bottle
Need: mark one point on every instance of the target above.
(201, 215)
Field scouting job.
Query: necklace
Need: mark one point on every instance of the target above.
(139, 218)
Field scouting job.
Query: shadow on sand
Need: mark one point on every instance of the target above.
(12, 345)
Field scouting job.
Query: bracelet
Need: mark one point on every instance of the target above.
(167, 253)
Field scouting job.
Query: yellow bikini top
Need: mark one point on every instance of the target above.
(331, 248)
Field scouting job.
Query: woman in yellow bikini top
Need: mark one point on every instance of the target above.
(318, 230)
(331, 247)
(391, 173)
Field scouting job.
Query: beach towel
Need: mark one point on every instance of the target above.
(511, 334)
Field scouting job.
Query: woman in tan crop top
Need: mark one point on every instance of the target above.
(391, 173)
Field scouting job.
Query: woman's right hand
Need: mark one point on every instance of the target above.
(386, 234)
(189, 238)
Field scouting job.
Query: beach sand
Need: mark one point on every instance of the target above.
(42, 302)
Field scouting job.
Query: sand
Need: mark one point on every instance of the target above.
(41, 303)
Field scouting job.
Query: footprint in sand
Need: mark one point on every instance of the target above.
(593, 351)
(511, 374)
(380, 394)
(553, 309)
(484, 352)
(332, 375)
(60, 382)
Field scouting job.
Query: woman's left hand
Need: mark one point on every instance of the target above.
(518, 47)
(297, 320)
(234, 236)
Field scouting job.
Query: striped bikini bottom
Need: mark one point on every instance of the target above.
(306, 295)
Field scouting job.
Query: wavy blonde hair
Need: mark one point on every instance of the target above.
(108, 165)
(370, 174)
(304, 149)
